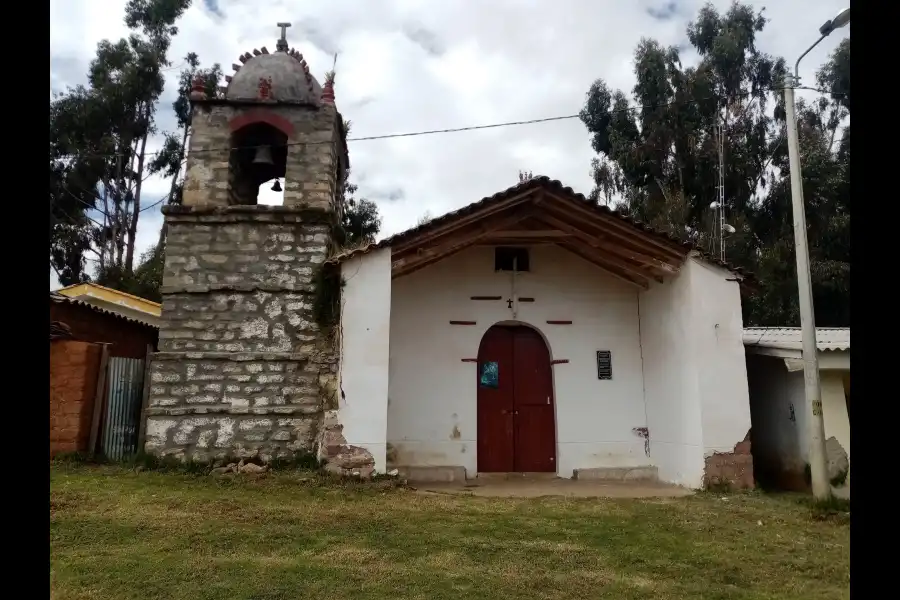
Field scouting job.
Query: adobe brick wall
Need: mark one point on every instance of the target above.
(731, 469)
(127, 339)
(74, 368)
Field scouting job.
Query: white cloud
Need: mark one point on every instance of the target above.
(408, 65)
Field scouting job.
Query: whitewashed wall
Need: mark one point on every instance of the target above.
(717, 333)
(432, 413)
(671, 384)
(695, 374)
(365, 351)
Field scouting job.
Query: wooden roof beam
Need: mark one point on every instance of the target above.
(457, 224)
(619, 272)
(650, 262)
(601, 256)
(528, 233)
(406, 262)
(619, 229)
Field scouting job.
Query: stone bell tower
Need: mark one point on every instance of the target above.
(243, 369)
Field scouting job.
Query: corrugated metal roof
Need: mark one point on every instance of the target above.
(55, 297)
(790, 338)
(535, 182)
(112, 295)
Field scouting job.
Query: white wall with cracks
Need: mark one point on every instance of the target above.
(678, 392)
(365, 352)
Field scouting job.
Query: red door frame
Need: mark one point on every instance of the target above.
(517, 418)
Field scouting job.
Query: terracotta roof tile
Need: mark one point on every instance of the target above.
(545, 182)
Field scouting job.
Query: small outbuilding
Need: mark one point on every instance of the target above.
(778, 405)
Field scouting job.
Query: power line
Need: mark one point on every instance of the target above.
(101, 211)
(475, 127)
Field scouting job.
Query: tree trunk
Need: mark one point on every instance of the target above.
(105, 227)
(163, 230)
(136, 207)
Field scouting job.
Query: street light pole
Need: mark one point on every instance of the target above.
(821, 486)
(818, 467)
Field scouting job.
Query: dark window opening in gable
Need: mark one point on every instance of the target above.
(507, 258)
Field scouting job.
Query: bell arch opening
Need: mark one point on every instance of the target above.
(271, 193)
(258, 156)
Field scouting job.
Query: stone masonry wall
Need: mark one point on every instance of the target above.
(208, 405)
(312, 166)
(268, 248)
(243, 368)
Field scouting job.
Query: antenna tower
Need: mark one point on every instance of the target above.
(720, 199)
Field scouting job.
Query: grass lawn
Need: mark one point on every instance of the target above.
(120, 535)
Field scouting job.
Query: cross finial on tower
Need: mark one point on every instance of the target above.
(282, 45)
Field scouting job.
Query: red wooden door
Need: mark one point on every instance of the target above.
(535, 428)
(516, 425)
(496, 450)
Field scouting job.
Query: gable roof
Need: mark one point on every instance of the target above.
(61, 299)
(106, 294)
(603, 218)
(828, 339)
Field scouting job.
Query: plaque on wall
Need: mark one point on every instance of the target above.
(604, 364)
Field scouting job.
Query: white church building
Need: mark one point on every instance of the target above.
(534, 331)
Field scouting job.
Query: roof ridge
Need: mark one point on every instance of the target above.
(54, 297)
(536, 182)
(108, 289)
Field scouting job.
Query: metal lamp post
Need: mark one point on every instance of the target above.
(821, 486)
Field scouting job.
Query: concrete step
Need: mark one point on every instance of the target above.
(645, 473)
(431, 474)
(516, 476)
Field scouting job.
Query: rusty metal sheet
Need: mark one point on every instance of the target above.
(123, 407)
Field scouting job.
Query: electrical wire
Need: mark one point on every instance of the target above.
(101, 211)
(437, 131)
(473, 127)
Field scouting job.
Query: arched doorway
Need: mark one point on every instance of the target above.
(516, 415)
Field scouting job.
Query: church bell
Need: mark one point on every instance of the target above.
(263, 156)
(277, 186)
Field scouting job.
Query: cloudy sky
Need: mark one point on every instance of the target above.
(412, 65)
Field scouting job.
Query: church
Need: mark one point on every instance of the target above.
(531, 331)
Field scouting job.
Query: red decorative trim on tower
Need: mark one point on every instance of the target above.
(197, 89)
(265, 88)
(328, 93)
(262, 116)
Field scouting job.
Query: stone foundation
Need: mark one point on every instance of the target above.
(212, 405)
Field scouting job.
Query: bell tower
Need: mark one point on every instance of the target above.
(243, 369)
